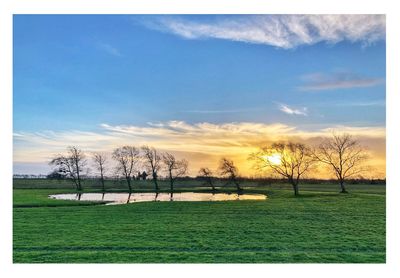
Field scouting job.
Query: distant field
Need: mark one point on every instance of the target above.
(118, 185)
(109, 184)
(319, 226)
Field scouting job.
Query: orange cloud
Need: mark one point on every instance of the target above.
(203, 144)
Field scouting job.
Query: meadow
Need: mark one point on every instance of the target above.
(319, 226)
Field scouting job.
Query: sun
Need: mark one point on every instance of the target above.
(273, 158)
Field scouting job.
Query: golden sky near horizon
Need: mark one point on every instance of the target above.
(202, 144)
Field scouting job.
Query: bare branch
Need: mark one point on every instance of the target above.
(227, 168)
(152, 161)
(71, 166)
(100, 160)
(295, 160)
(344, 155)
(127, 158)
(175, 168)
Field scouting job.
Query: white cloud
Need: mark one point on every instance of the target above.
(338, 80)
(292, 111)
(221, 111)
(362, 103)
(283, 31)
(109, 49)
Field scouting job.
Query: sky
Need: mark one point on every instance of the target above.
(199, 86)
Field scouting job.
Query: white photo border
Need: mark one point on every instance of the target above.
(10, 7)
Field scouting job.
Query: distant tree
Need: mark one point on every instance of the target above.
(127, 158)
(55, 175)
(152, 160)
(228, 169)
(289, 160)
(71, 165)
(207, 175)
(144, 175)
(344, 155)
(175, 168)
(100, 161)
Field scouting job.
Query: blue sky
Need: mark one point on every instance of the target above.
(82, 72)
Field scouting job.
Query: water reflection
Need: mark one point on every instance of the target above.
(126, 198)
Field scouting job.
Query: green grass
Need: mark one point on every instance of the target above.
(320, 226)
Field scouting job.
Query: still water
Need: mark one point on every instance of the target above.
(125, 198)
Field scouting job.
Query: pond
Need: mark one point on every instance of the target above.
(126, 198)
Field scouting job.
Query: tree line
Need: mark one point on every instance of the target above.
(341, 154)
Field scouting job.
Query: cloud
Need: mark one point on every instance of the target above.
(109, 49)
(339, 80)
(282, 31)
(363, 103)
(292, 111)
(203, 144)
(227, 111)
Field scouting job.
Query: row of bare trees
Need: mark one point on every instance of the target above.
(226, 169)
(127, 159)
(342, 154)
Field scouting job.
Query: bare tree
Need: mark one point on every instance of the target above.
(71, 165)
(100, 161)
(127, 158)
(175, 168)
(289, 160)
(207, 175)
(344, 155)
(227, 168)
(152, 161)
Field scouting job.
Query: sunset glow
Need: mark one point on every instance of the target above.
(200, 87)
(274, 159)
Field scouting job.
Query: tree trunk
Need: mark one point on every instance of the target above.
(102, 182)
(342, 187)
(237, 185)
(155, 182)
(171, 181)
(77, 185)
(79, 177)
(211, 184)
(128, 180)
(295, 189)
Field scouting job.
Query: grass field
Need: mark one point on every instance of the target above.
(320, 226)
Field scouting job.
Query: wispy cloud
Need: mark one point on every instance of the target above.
(220, 111)
(292, 111)
(339, 80)
(283, 31)
(109, 49)
(363, 103)
(202, 143)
